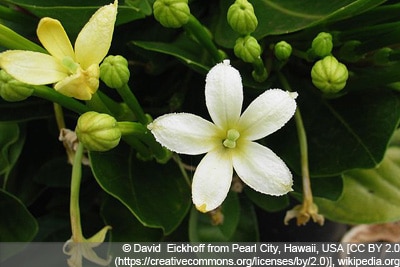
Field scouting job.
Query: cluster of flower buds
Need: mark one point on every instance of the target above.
(13, 90)
(327, 74)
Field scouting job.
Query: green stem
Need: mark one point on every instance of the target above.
(12, 40)
(302, 136)
(132, 102)
(96, 104)
(181, 166)
(53, 96)
(198, 30)
(75, 214)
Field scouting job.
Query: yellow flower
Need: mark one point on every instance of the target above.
(73, 71)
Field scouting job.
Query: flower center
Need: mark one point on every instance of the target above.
(70, 64)
(231, 137)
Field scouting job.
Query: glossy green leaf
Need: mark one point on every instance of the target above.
(350, 132)
(156, 194)
(16, 223)
(125, 227)
(201, 228)
(267, 202)
(369, 195)
(287, 16)
(74, 14)
(30, 109)
(185, 49)
(12, 140)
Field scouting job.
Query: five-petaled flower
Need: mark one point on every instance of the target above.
(229, 141)
(74, 71)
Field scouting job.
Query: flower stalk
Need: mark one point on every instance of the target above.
(307, 209)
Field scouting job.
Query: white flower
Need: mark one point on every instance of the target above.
(74, 71)
(229, 141)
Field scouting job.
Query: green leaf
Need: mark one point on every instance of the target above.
(74, 14)
(17, 224)
(245, 229)
(267, 202)
(125, 227)
(287, 16)
(350, 132)
(156, 194)
(30, 109)
(183, 48)
(12, 140)
(369, 195)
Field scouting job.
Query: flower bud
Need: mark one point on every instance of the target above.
(114, 71)
(98, 131)
(322, 44)
(382, 56)
(247, 49)
(282, 50)
(348, 52)
(329, 75)
(241, 17)
(13, 90)
(171, 13)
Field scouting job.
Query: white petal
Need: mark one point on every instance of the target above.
(261, 169)
(94, 40)
(54, 38)
(32, 67)
(185, 133)
(212, 180)
(266, 114)
(224, 95)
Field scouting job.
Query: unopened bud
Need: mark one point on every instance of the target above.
(322, 44)
(247, 49)
(98, 131)
(382, 56)
(171, 13)
(114, 71)
(282, 50)
(241, 17)
(13, 90)
(329, 75)
(348, 52)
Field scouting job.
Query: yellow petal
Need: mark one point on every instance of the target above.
(32, 67)
(94, 40)
(54, 38)
(80, 85)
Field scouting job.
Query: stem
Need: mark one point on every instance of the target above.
(59, 114)
(302, 136)
(132, 102)
(305, 173)
(181, 166)
(197, 29)
(65, 101)
(75, 215)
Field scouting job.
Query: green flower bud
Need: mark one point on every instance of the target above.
(348, 51)
(282, 50)
(260, 75)
(241, 17)
(13, 90)
(98, 131)
(114, 71)
(171, 13)
(382, 56)
(329, 75)
(322, 44)
(247, 49)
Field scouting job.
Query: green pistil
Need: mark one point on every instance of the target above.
(70, 64)
(231, 137)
